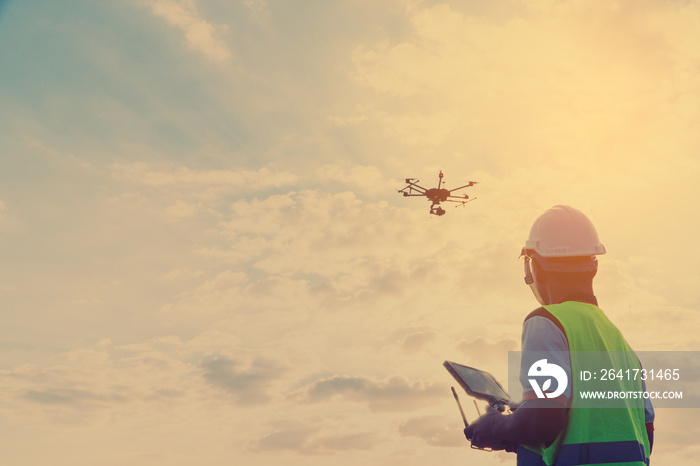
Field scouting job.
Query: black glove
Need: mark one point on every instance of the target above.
(486, 433)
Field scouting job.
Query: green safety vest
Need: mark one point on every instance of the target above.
(599, 436)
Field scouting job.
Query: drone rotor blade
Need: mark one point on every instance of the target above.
(462, 202)
(471, 183)
(417, 187)
(411, 189)
(461, 198)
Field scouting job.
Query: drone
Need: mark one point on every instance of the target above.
(436, 195)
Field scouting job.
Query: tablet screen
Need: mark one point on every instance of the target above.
(476, 382)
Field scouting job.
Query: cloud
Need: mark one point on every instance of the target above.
(229, 293)
(363, 179)
(249, 384)
(486, 351)
(645, 306)
(181, 210)
(676, 429)
(307, 440)
(418, 340)
(70, 397)
(181, 274)
(200, 35)
(316, 232)
(77, 388)
(392, 394)
(360, 441)
(297, 438)
(259, 12)
(437, 431)
(163, 370)
(594, 92)
(263, 178)
(185, 194)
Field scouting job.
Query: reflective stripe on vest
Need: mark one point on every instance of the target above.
(573, 454)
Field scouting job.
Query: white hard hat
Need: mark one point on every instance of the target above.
(563, 231)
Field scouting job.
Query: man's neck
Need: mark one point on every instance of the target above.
(558, 292)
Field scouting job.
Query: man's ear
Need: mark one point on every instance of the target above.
(538, 287)
(539, 273)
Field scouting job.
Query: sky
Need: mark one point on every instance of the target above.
(204, 257)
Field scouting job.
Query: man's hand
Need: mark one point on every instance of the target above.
(485, 432)
(535, 422)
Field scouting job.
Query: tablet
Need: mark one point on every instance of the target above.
(479, 384)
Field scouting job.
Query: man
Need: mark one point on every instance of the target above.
(560, 264)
